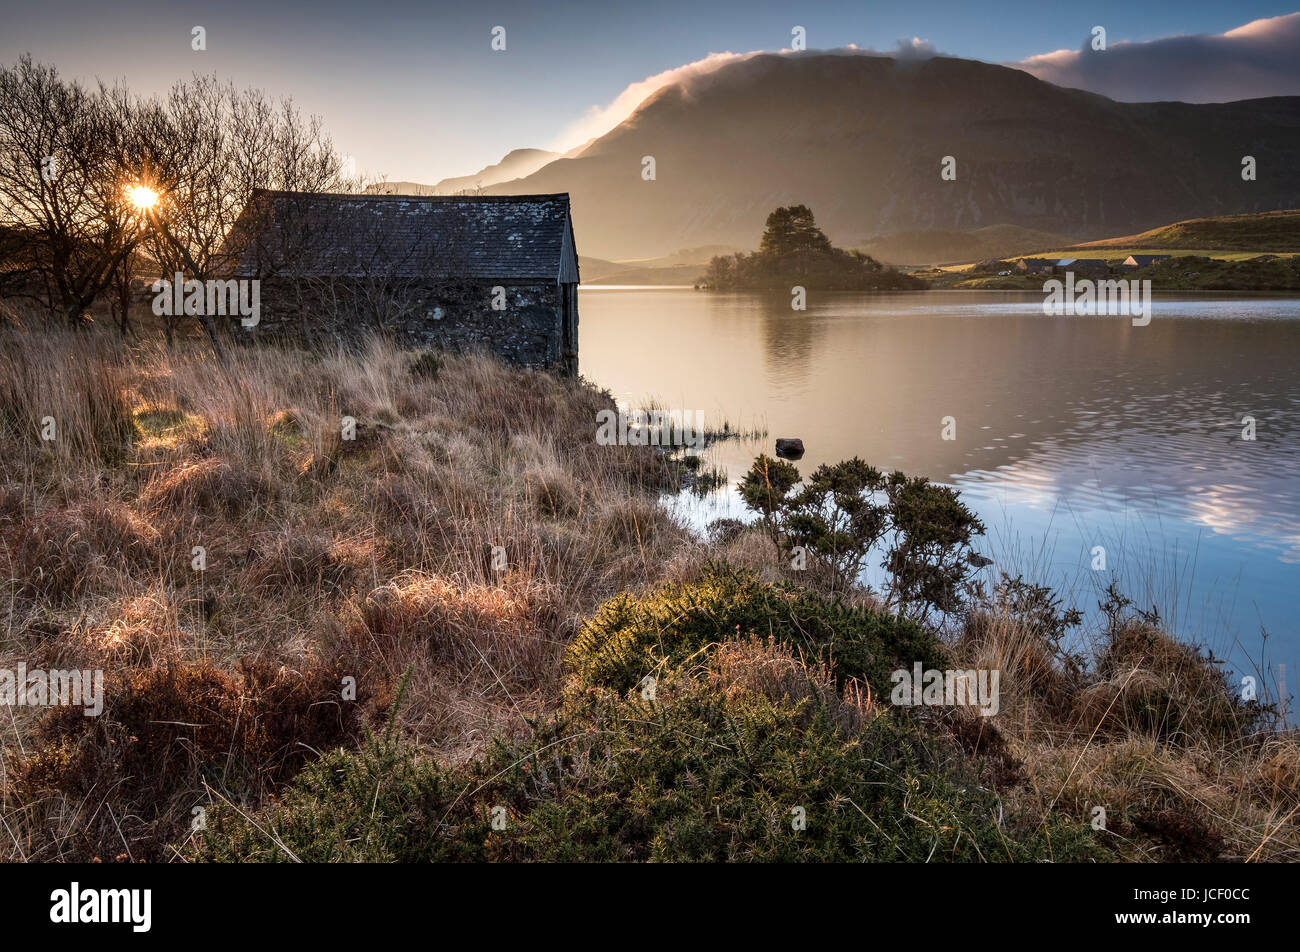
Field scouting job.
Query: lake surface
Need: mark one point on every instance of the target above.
(1071, 432)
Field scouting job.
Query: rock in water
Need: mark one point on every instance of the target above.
(789, 449)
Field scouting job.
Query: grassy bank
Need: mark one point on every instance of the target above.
(433, 641)
(325, 558)
(1183, 271)
(1249, 234)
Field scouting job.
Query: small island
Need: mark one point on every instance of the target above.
(795, 252)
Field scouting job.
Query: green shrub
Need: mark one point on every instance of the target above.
(842, 513)
(702, 774)
(631, 638)
(742, 752)
(379, 804)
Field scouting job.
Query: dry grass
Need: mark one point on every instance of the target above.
(771, 670)
(1151, 732)
(131, 778)
(462, 533)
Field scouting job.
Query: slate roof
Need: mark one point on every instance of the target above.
(506, 237)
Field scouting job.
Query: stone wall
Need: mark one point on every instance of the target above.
(450, 317)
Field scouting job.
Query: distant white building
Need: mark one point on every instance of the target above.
(1141, 261)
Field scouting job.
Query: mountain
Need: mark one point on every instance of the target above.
(515, 165)
(599, 271)
(1278, 232)
(860, 139)
(701, 255)
(401, 188)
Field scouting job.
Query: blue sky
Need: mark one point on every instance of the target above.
(414, 91)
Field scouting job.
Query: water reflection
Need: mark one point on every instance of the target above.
(1068, 428)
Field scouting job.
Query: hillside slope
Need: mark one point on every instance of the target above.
(515, 165)
(860, 140)
(1277, 231)
(938, 246)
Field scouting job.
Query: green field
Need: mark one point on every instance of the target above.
(1114, 256)
(1229, 250)
(1262, 232)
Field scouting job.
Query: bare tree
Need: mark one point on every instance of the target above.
(68, 232)
(226, 143)
(121, 291)
(67, 155)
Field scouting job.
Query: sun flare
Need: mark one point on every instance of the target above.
(142, 197)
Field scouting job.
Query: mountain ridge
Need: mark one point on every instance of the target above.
(1274, 231)
(516, 163)
(860, 140)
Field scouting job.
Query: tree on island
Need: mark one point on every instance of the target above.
(791, 230)
(794, 251)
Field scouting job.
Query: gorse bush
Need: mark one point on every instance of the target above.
(845, 511)
(427, 365)
(1146, 683)
(930, 561)
(700, 777)
(742, 751)
(632, 638)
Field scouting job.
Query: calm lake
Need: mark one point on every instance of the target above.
(1071, 432)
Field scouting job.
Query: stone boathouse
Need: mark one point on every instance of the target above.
(497, 273)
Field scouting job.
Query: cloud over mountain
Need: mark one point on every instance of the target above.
(860, 139)
(1261, 58)
(601, 119)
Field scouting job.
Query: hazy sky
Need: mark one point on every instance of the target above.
(414, 91)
